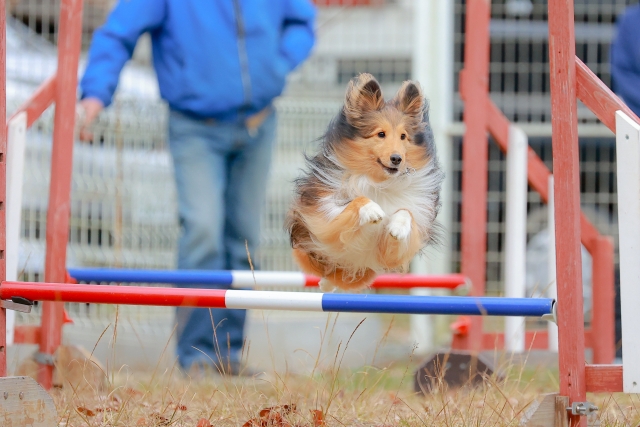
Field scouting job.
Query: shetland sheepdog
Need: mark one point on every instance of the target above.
(367, 202)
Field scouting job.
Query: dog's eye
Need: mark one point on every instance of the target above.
(380, 134)
(403, 136)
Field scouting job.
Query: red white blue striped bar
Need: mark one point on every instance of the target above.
(266, 300)
(257, 279)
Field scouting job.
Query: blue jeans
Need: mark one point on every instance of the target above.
(221, 172)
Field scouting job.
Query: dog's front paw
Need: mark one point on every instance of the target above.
(371, 213)
(326, 285)
(400, 225)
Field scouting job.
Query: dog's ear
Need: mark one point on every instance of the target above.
(410, 100)
(363, 96)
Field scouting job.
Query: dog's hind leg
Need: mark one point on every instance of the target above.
(308, 264)
(340, 278)
(336, 278)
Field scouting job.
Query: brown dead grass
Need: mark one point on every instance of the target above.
(369, 396)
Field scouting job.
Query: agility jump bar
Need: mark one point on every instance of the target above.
(273, 300)
(257, 279)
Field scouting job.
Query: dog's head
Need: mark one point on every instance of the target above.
(382, 139)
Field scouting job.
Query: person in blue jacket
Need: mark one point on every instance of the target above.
(219, 66)
(625, 58)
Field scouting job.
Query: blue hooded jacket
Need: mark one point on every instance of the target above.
(625, 58)
(213, 58)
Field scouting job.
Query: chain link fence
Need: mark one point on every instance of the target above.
(123, 199)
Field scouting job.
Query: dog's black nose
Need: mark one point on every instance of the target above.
(396, 159)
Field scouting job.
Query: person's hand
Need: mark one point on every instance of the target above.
(89, 108)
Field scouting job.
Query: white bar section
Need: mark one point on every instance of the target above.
(267, 300)
(516, 235)
(263, 279)
(432, 66)
(628, 160)
(552, 289)
(422, 325)
(16, 141)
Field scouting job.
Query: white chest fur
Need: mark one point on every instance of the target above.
(415, 193)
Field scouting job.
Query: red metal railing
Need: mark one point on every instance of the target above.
(58, 211)
(570, 80)
(566, 162)
(39, 102)
(61, 89)
(481, 115)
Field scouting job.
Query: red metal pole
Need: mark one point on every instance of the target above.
(408, 281)
(475, 88)
(567, 202)
(104, 294)
(69, 39)
(603, 315)
(596, 96)
(42, 98)
(3, 181)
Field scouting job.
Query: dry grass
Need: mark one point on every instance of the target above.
(363, 397)
(333, 396)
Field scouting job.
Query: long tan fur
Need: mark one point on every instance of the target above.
(368, 201)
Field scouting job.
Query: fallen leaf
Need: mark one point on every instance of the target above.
(132, 392)
(282, 409)
(318, 418)
(203, 422)
(394, 398)
(159, 419)
(85, 411)
(272, 417)
(141, 422)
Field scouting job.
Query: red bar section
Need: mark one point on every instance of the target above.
(58, 211)
(474, 86)
(408, 281)
(312, 281)
(598, 97)
(603, 378)
(104, 294)
(39, 102)
(566, 168)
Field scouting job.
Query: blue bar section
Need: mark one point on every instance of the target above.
(177, 277)
(414, 304)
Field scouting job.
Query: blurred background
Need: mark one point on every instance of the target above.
(123, 197)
